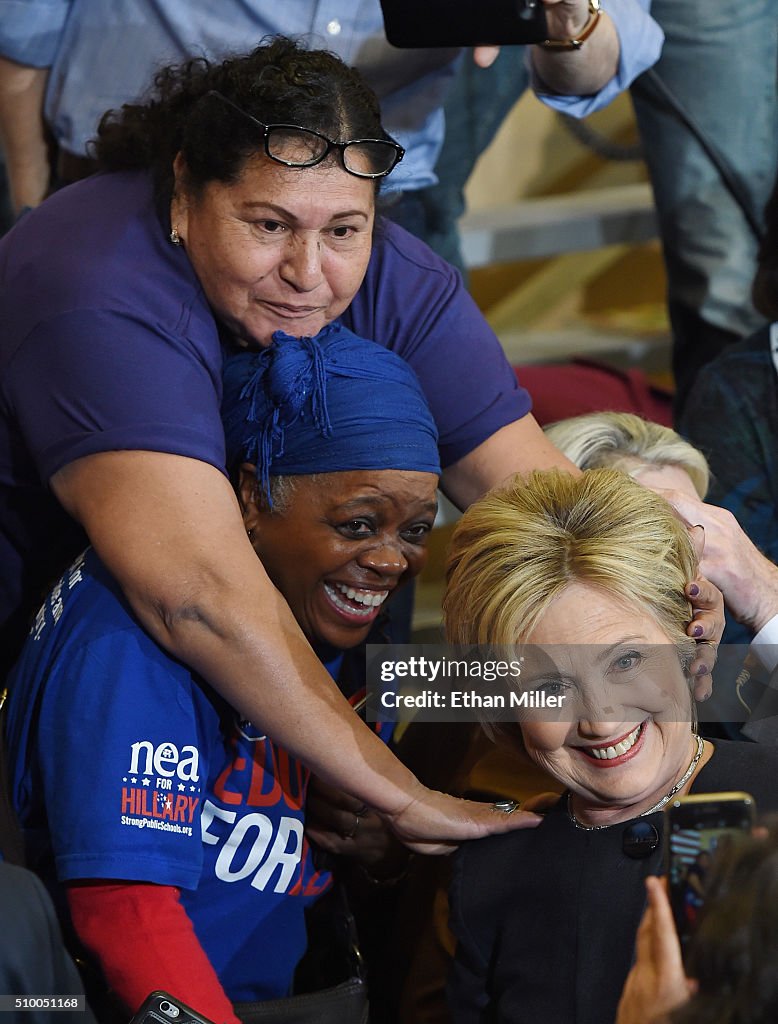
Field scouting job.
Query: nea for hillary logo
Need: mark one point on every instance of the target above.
(162, 787)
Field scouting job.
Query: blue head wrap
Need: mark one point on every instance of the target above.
(325, 404)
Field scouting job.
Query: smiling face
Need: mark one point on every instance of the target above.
(624, 736)
(342, 544)
(279, 249)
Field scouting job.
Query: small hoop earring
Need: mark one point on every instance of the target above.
(175, 238)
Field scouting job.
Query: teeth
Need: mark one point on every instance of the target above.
(369, 598)
(607, 753)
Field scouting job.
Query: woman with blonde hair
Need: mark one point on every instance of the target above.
(587, 576)
(650, 452)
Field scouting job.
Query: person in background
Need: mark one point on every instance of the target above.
(740, 389)
(709, 237)
(651, 453)
(64, 62)
(721, 65)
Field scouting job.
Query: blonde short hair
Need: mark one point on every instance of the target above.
(622, 439)
(517, 549)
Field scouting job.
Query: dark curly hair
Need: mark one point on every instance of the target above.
(280, 81)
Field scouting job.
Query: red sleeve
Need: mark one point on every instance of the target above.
(144, 940)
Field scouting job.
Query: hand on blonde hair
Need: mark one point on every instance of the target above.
(748, 580)
(706, 627)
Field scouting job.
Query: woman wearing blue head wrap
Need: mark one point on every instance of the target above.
(336, 457)
(194, 828)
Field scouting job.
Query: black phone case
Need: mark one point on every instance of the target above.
(412, 24)
(713, 815)
(162, 1008)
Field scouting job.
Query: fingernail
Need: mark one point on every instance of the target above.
(694, 590)
(703, 670)
(704, 697)
(698, 631)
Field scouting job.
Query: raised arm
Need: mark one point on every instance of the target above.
(518, 447)
(169, 529)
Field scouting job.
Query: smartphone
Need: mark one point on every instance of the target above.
(412, 24)
(695, 828)
(162, 1008)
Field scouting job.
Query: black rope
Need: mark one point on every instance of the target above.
(651, 86)
(599, 143)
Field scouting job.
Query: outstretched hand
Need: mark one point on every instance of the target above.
(434, 822)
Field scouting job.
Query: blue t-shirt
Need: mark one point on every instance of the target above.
(107, 343)
(126, 766)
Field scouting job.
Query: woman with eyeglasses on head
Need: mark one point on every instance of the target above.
(237, 201)
(584, 579)
(172, 826)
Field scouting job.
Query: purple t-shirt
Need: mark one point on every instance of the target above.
(107, 342)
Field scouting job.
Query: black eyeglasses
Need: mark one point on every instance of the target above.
(293, 146)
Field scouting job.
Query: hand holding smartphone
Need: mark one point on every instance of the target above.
(695, 828)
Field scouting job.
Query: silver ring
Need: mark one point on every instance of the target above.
(506, 806)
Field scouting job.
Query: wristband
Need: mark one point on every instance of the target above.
(595, 11)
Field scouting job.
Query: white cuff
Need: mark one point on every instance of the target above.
(765, 644)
